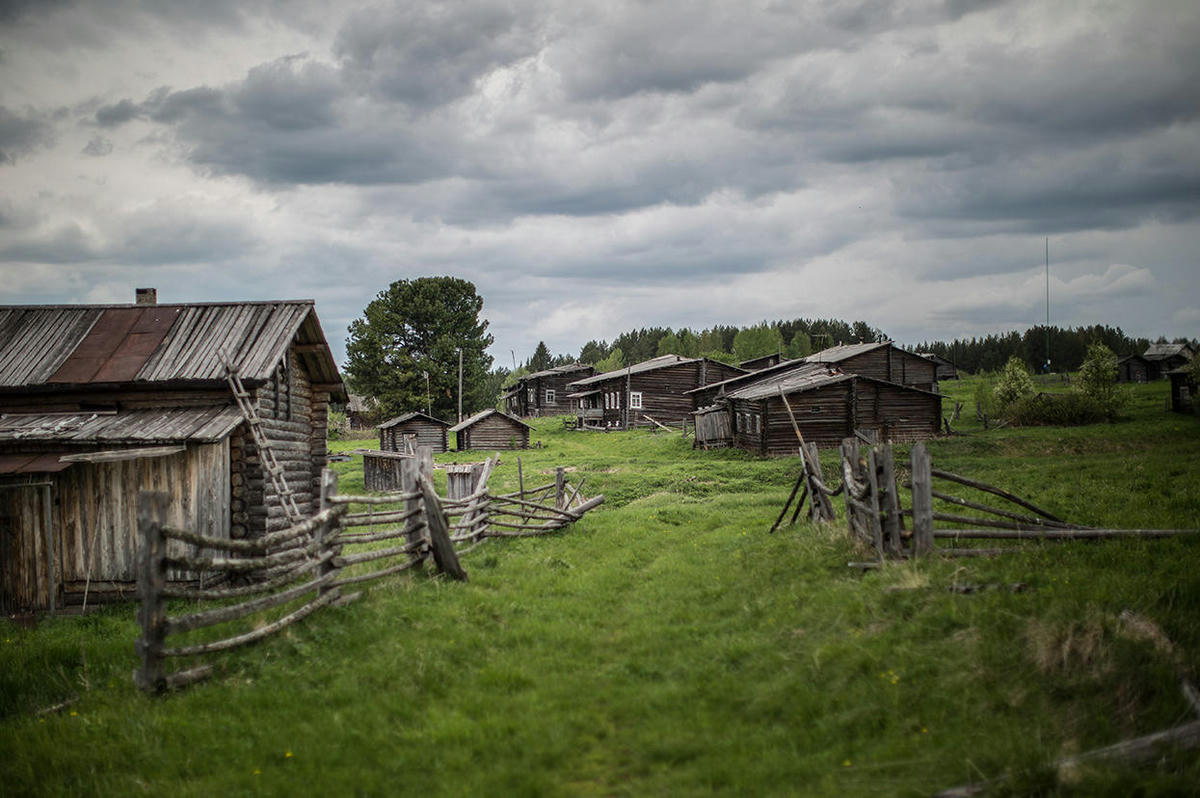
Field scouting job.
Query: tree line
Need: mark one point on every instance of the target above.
(404, 351)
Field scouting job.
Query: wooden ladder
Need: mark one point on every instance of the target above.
(265, 452)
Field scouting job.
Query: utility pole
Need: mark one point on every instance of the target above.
(1047, 366)
(460, 385)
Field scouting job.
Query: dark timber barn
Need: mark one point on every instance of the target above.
(492, 429)
(654, 389)
(881, 361)
(827, 404)
(544, 393)
(415, 428)
(98, 402)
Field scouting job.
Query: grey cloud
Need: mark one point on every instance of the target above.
(117, 114)
(98, 146)
(20, 135)
(428, 54)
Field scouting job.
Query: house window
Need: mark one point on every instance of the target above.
(530, 395)
(550, 396)
(635, 400)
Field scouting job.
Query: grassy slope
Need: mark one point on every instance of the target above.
(668, 645)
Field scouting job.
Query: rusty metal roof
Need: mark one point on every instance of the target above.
(168, 425)
(87, 344)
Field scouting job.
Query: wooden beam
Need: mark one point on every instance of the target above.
(116, 455)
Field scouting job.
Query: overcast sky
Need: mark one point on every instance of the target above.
(599, 166)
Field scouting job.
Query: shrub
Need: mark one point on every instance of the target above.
(986, 403)
(1015, 383)
(1098, 380)
(338, 425)
(1059, 410)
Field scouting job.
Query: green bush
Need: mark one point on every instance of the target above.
(1015, 383)
(1098, 381)
(338, 425)
(1059, 410)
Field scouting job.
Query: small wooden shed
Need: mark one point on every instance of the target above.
(1167, 357)
(1183, 390)
(492, 429)
(416, 428)
(98, 402)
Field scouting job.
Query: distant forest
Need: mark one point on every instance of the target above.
(801, 337)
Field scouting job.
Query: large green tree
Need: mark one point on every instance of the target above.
(417, 327)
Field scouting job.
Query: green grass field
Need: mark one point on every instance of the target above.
(667, 645)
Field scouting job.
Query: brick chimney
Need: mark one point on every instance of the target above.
(146, 296)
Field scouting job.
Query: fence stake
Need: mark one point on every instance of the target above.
(559, 493)
(873, 482)
(891, 502)
(152, 578)
(922, 500)
(414, 532)
(329, 481)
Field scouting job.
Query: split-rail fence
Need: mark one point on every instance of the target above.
(307, 566)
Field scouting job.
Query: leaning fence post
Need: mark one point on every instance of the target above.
(413, 529)
(444, 554)
(873, 486)
(152, 579)
(329, 481)
(560, 479)
(922, 500)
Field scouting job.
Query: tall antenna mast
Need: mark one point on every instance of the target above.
(1047, 367)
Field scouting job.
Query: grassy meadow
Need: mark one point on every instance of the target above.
(667, 645)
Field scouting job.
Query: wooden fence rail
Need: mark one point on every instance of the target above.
(304, 567)
(875, 515)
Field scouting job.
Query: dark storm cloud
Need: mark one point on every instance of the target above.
(428, 54)
(21, 134)
(98, 146)
(117, 114)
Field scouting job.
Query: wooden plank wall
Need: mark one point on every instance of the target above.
(823, 416)
(94, 519)
(895, 413)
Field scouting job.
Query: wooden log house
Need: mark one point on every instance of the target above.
(653, 389)
(881, 361)
(98, 402)
(1183, 390)
(544, 393)
(491, 429)
(827, 405)
(420, 429)
(1135, 368)
(1166, 357)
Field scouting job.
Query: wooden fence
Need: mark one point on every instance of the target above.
(875, 516)
(306, 566)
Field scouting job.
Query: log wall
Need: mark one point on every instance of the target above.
(429, 434)
(494, 432)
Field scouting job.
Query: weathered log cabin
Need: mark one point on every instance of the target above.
(544, 393)
(416, 428)
(491, 429)
(827, 405)
(1166, 357)
(653, 390)
(881, 361)
(1135, 368)
(98, 402)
